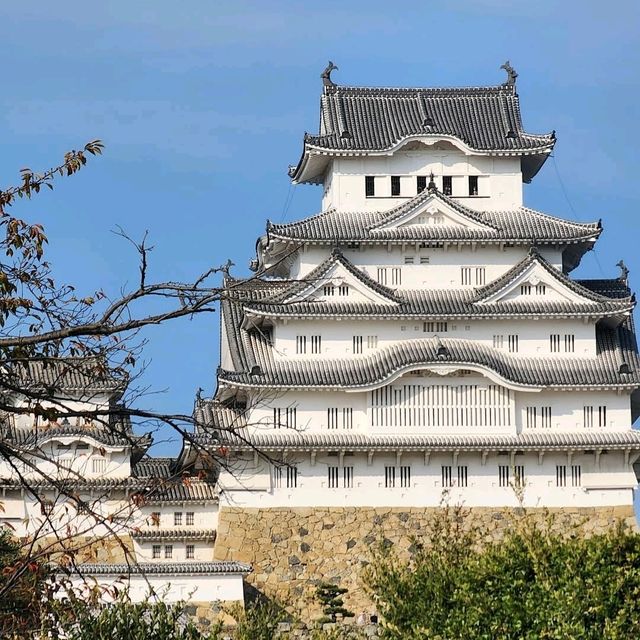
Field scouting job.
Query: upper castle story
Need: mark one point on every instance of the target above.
(378, 147)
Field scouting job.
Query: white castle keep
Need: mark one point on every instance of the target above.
(421, 335)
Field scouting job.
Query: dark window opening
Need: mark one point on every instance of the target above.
(473, 185)
(422, 183)
(447, 185)
(370, 186)
(395, 185)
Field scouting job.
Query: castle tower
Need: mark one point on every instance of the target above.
(419, 339)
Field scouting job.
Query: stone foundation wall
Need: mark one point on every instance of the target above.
(292, 549)
(108, 550)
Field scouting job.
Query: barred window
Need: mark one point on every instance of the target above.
(168, 551)
(190, 552)
(372, 342)
(447, 185)
(435, 327)
(465, 275)
(357, 344)
(301, 344)
(389, 477)
(513, 343)
(518, 475)
(561, 475)
(463, 476)
(284, 417)
(503, 475)
(156, 551)
(329, 290)
(347, 477)
(576, 475)
(292, 477)
(473, 185)
(177, 519)
(498, 342)
(569, 343)
(447, 477)
(343, 290)
(333, 475)
(554, 342)
(316, 344)
(525, 289)
(405, 476)
(190, 518)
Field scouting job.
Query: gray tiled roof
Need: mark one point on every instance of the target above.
(71, 375)
(175, 534)
(449, 303)
(27, 438)
(486, 119)
(163, 568)
(522, 225)
(615, 346)
(278, 439)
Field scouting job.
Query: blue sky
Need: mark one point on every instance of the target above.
(202, 106)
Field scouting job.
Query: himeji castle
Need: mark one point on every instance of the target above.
(419, 341)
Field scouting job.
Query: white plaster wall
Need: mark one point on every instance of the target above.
(500, 179)
(443, 270)
(203, 551)
(311, 411)
(171, 588)
(93, 403)
(337, 336)
(205, 516)
(610, 484)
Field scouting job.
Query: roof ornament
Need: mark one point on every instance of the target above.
(227, 267)
(199, 391)
(511, 74)
(442, 353)
(431, 187)
(624, 272)
(326, 75)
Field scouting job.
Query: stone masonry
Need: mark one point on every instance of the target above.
(292, 549)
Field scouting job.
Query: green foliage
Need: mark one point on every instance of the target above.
(257, 621)
(533, 584)
(330, 596)
(123, 619)
(20, 607)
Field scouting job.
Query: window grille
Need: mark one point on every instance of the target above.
(292, 477)
(168, 551)
(434, 327)
(513, 343)
(190, 519)
(396, 276)
(382, 276)
(498, 342)
(554, 342)
(329, 290)
(602, 416)
(409, 259)
(465, 275)
(525, 289)
(357, 344)
(333, 475)
(541, 289)
(480, 276)
(177, 519)
(569, 342)
(156, 551)
(99, 465)
(561, 475)
(447, 185)
(576, 475)
(343, 290)
(347, 477)
(447, 477)
(277, 477)
(503, 475)
(518, 475)
(424, 259)
(284, 417)
(301, 344)
(473, 185)
(190, 552)
(389, 477)
(405, 476)
(372, 342)
(370, 186)
(463, 476)
(316, 344)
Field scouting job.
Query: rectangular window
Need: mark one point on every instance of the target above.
(177, 519)
(463, 476)
(372, 342)
(561, 475)
(513, 343)
(301, 344)
(277, 477)
(518, 475)
(424, 259)
(292, 477)
(395, 185)
(333, 477)
(396, 276)
(409, 259)
(602, 416)
(329, 290)
(190, 552)
(554, 342)
(480, 276)
(473, 185)
(503, 475)
(347, 418)
(156, 551)
(531, 417)
(284, 417)
(190, 518)
(316, 344)
(382, 276)
(370, 186)
(332, 417)
(576, 475)
(343, 290)
(545, 417)
(498, 342)
(168, 551)
(569, 342)
(465, 275)
(541, 289)
(447, 477)
(357, 344)
(434, 327)
(347, 477)
(525, 289)
(389, 477)
(421, 183)
(447, 185)
(99, 465)
(405, 477)
(587, 417)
